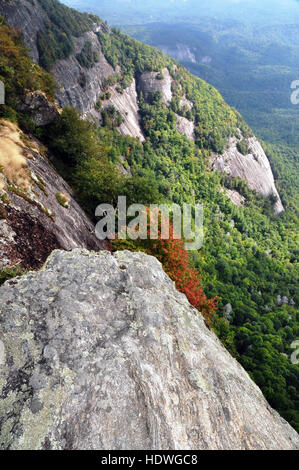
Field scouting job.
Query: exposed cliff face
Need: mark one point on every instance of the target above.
(185, 127)
(180, 52)
(69, 74)
(184, 102)
(79, 86)
(253, 168)
(127, 104)
(149, 83)
(101, 352)
(27, 17)
(34, 221)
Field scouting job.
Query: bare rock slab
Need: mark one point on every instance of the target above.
(253, 168)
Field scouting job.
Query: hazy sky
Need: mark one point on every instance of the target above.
(261, 11)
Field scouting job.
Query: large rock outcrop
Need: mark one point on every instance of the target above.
(79, 86)
(254, 168)
(153, 82)
(99, 351)
(185, 127)
(127, 104)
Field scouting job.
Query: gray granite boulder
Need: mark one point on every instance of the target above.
(99, 351)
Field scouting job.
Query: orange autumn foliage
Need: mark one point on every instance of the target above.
(175, 260)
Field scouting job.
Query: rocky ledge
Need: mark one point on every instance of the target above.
(99, 351)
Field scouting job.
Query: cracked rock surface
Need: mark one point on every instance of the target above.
(99, 351)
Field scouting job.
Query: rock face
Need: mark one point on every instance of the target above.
(127, 104)
(235, 197)
(185, 127)
(180, 52)
(69, 74)
(253, 168)
(41, 111)
(99, 351)
(185, 103)
(27, 17)
(35, 222)
(79, 86)
(149, 84)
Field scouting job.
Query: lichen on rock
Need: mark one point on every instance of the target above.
(100, 351)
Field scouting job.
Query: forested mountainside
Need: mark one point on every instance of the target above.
(153, 132)
(253, 67)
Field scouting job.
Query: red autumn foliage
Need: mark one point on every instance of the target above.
(174, 258)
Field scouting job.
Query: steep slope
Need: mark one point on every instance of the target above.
(91, 66)
(37, 210)
(120, 360)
